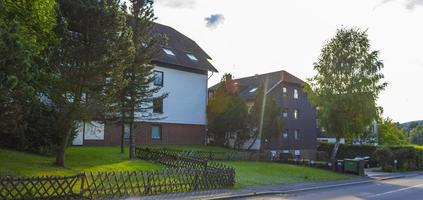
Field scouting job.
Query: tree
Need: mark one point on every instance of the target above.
(417, 135)
(138, 96)
(390, 134)
(89, 31)
(26, 30)
(227, 114)
(268, 124)
(346, 85)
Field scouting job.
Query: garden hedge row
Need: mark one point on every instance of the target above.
(408, 157)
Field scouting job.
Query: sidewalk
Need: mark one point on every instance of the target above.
(373, 175)
(227, 193)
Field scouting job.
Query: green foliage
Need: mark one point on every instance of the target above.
(227, 114)
(348, 151)
(388, 168)
(271, 122)
(26, 31)
(383, 155)
(390, 134)
(416, 136)
(138, 96)
(93, 36)
(347, 84)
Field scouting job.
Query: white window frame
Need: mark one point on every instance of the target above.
(169, 52)
(192, 57)
(295, 94)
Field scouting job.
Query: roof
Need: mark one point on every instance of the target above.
(180, 46)
(246, 84)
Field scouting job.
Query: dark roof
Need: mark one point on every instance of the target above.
(246, 84)
(180, 46)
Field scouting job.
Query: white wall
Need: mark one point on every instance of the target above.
(187, 99)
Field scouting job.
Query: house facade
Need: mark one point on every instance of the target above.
(181, 69)
(299, 135)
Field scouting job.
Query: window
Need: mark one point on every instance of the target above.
(168, 52)
(158, 105)
(297, 134)
(296, 113)
(253, 90)
(295, 94)
(284, 90)
(156, 132)
(158, 78)
(285, 113)
(285, 151)
(126, 131)
(192, 57)
(84, 97)
(285, 134)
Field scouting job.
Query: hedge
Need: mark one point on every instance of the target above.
(408, 157)
(348, 151)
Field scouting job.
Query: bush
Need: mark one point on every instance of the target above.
(322, 156)
(348, 151)
(383, 155)
(388, 168)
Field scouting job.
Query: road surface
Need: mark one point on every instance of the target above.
(394, 189)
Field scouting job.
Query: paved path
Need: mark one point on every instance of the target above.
(409, 187)
(373, 176)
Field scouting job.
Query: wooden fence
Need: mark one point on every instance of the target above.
(184, 174)
(44, 187)
(221, 156)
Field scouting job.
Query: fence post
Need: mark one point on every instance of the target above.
(81, 191)
(195, 180)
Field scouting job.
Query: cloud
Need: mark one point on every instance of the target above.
(409, 4)
(176, 3)
(214, 20)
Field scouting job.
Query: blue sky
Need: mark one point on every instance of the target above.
(246, 37)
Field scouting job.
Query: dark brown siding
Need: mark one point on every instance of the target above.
(178, 134)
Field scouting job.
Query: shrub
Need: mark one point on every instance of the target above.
(322, 156)
(383, 155)
(348, 151)
(388, 168)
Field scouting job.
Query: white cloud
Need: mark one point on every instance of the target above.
(177, 3)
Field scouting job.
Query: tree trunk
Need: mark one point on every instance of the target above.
(60, 153)
(335, 149)
(122, 138)
(132, 140)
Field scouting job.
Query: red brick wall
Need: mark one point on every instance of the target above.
(179, 134)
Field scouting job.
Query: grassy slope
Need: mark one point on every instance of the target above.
(109, 159)
(260, 173)
(77, 159)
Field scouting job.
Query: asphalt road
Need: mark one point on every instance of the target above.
(394, 189)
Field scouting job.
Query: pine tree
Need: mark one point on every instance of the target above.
(88, 53)
(138, 96)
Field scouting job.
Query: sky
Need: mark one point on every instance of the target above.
(246, 37)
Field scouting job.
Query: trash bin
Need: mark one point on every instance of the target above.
(354, 166)
(339, 167)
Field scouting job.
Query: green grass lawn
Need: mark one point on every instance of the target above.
(78, 159)
(261, 173)
(92, 159)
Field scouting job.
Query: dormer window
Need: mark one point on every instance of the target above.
(253, 90)
(192, 57)
(168, 52)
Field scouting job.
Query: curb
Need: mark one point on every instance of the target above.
(251, 194)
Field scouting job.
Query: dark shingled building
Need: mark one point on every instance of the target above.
(299, 116)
